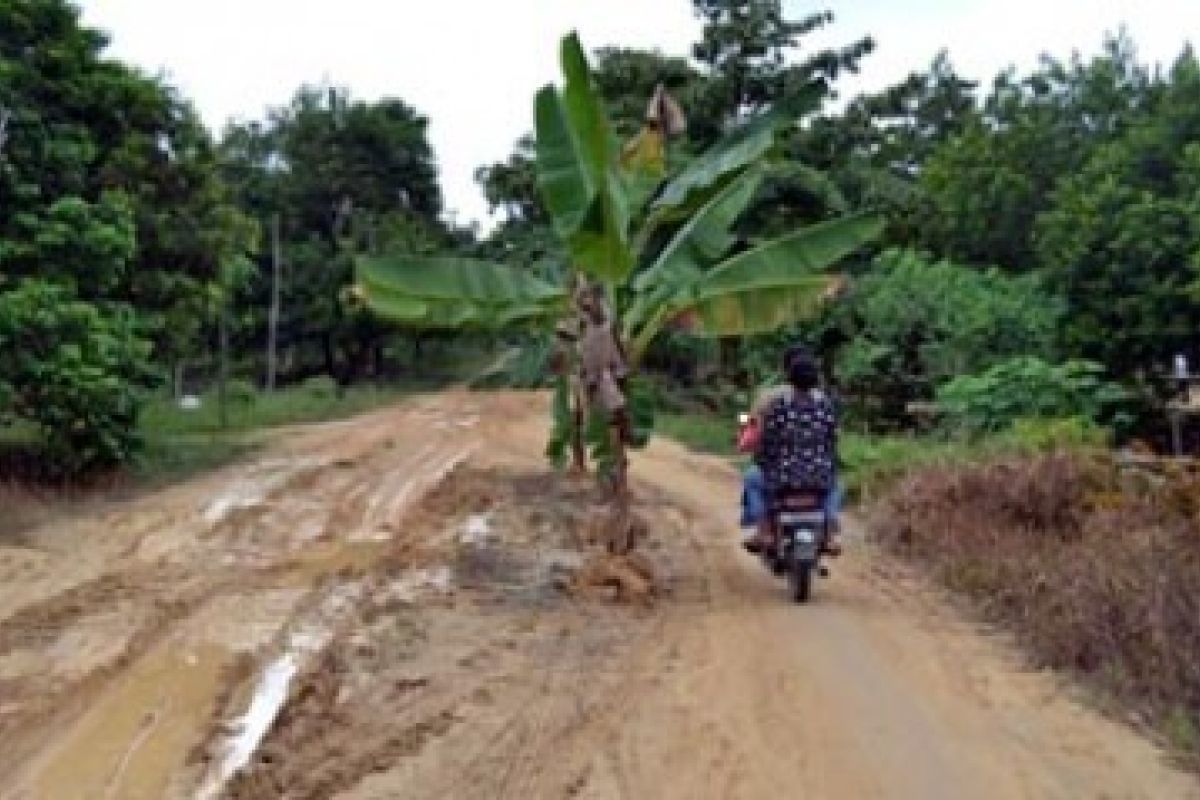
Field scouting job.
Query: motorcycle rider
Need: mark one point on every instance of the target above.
(796, 448)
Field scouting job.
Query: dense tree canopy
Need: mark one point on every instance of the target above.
(128, 234)
(340, 176)
(115, 229)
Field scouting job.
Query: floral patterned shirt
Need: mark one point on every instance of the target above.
(799, 443)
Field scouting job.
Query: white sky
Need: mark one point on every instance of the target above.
(472, 66)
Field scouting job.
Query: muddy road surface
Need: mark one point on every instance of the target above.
(406, 605)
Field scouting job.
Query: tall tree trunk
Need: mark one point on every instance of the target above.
(273, 313)
(223, 368)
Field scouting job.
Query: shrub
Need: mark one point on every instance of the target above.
(321, 387)
(77, 371)
(1028, 387)
(913, 324)
(1096, 571)
(241, 392)
(1047, 434)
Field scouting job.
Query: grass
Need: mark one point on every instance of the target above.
(704, 433)
(869, 463)
(181, 442)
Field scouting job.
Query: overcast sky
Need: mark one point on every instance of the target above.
(472, 66)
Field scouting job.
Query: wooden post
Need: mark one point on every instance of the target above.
(273, 313)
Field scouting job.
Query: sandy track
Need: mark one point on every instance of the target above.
(413, 566)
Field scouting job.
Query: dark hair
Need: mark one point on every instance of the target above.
(802, 369)
(792, 353)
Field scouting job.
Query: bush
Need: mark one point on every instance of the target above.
(1028, 387)
(913, 324)
(76, 370)
(241, 392)
(1042, 435)
(321, 387)
(1097, 572)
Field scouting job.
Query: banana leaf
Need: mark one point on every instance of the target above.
(703, 240)
(764, 288)
(578, 172)
(781, 261)
(448, 292)
(776, 282)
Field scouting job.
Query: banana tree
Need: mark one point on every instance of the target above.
(647, 250)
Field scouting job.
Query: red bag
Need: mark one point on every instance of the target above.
(749, 436)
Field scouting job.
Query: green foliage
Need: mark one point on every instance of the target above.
(642, 403)
(1045, 434)
(752, 55)
(580, 186)
(76, 370)
(320, 387)
(1028, 387)
(241, 392)
(456, 293)
(597, 425)
(985, 188)
(779, 281)
(703, 432)
(913, 324)
(698, 277)
(1122, 236)
(344, 178)
(115, 234)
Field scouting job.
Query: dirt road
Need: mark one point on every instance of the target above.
(398, 606)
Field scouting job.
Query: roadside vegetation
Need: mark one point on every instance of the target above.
(1093, 566)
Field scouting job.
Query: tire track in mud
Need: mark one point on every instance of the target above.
(238, 543)
(509, 665)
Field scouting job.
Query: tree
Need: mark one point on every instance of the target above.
(115, 229)
(645, 253)
(747, 49)
(1121, 235)
(911, 324)
(343, 177)
(985, 187)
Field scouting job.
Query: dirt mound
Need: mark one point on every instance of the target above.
(627, 578)
(1097, 571)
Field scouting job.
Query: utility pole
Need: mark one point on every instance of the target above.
(273, 314)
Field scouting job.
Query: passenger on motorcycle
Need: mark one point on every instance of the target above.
(793, 433)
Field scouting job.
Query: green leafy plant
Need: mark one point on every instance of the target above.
(78, 371)
(914, 324)
(1027, 387)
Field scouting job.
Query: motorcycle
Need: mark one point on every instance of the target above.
(801, 529)
(801, 533)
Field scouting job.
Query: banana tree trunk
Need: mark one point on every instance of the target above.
(578, 418)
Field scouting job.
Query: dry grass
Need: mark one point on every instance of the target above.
(1095, 570)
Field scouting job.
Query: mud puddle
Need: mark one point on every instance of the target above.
(130, 743)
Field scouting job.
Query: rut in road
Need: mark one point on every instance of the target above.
(414, 608)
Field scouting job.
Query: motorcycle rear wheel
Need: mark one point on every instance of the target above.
(801, 575)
